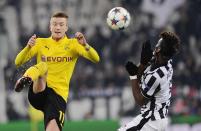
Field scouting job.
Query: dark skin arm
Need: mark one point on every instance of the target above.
(146, 55)
(139, 98)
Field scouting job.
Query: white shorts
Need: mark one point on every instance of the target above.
(156, 125)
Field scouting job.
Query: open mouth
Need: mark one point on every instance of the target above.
(57, 33)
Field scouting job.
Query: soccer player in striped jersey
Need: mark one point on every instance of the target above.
(48, 80)
(151, 84)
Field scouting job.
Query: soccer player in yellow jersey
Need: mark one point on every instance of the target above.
(48, 80)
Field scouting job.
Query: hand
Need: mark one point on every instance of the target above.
(131, 68)
(146, 53)
(81, 39)
(32, 41)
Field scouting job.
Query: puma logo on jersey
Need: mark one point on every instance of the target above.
(59, 59)
(47, 47)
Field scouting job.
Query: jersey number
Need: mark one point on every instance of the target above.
(61, 118)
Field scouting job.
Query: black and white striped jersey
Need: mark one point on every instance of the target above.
(155, 84)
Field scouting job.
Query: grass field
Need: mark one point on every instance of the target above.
(90, 125)
(106, 125)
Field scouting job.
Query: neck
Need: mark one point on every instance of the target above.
(57, 39)
(161, 61)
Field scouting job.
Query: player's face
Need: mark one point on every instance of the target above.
(157, 47)
(58, 27)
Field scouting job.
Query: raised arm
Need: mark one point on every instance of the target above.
(136, 73)
(88, 51)
(132, 69)
(27, 53)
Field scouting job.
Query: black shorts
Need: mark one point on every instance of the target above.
(51, 104)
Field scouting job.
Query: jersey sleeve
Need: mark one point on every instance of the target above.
(150, 85)
(26, 54)
(91, 54)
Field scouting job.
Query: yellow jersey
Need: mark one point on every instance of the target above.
(61, 57)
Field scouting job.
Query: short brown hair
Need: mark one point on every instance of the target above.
(170, 44)
(60, 14)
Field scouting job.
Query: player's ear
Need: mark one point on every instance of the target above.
(66, 28)
(158, 49)
(66, 25)
(50, 27)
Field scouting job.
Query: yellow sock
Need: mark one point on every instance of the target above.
(37, 70)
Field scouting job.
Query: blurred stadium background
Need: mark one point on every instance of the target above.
(100, 95)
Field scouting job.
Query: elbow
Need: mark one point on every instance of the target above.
(96, 60)
(17, 64)
(140, 101)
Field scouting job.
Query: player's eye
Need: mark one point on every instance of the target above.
(54, 24)
(61, 24)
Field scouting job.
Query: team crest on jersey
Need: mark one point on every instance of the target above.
(66, 47)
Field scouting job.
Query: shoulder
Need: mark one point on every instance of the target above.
(42, 40)
(156, 74)
(73, 40)
(167, 69)
(161, 74)
(74, 43)
(159, 71)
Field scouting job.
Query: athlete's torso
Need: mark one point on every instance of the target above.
(156, 86)
(60, 57)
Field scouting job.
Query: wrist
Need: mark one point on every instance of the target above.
(133, 77)
(28, 46)
(87, 46)
(143, 62)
